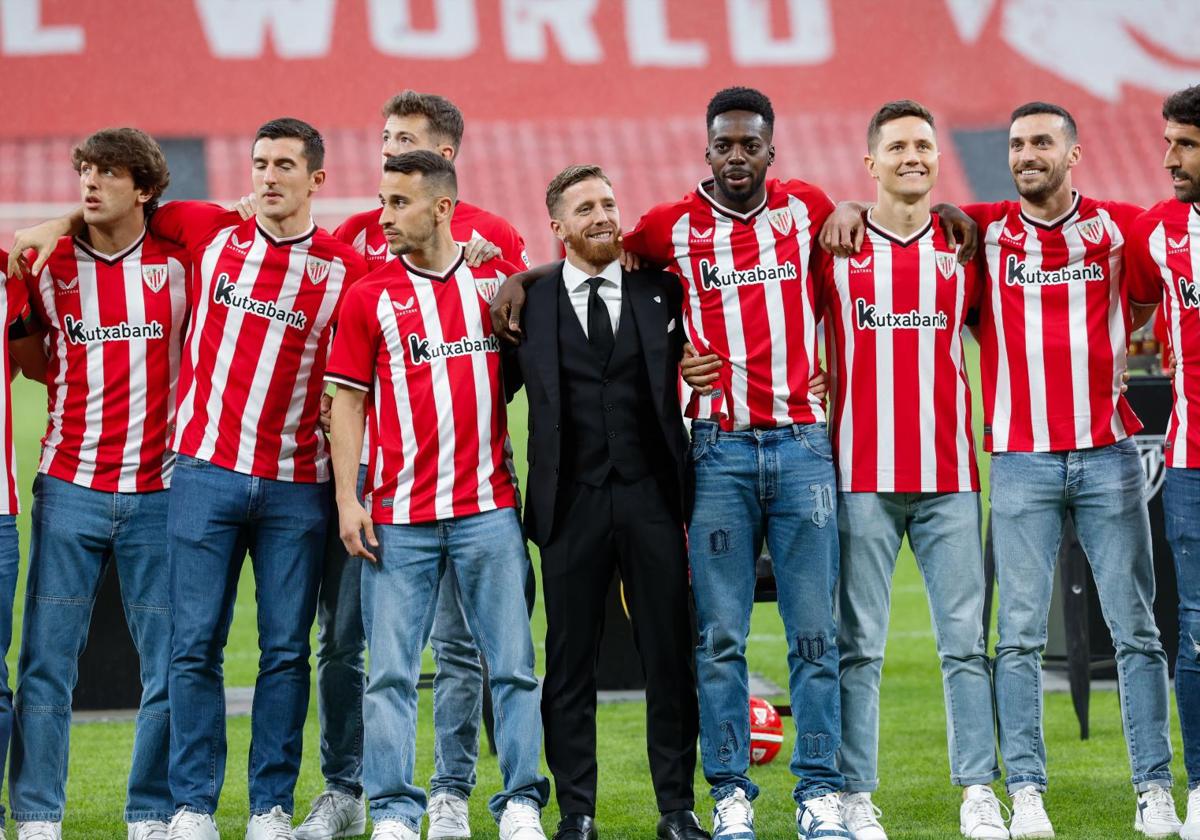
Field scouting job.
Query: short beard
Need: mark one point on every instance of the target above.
(1054, 180)
(594, 253)
(1191, 190)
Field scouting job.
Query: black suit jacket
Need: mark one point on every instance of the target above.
(655, 299)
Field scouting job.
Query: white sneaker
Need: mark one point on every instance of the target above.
(449, 818)
(393, 830)
(276, 824)
(521, 822)
(861, 816)
(1191, 828)
(188, 825)
(821, 816)
(39, 830)
(1029, 817)
(979, 815)
(1156, 815)
(334, 814)
(733, 817)
(147, 830)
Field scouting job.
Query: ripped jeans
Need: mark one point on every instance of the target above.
(778, 485)
(1181, 507)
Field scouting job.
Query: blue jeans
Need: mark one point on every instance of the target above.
(341, 678)
(1181, 506)
(487, 553)
(216, 516)
(1102, 488)
(777, 484)
(10, 561)
(76, 533)
(943, 530)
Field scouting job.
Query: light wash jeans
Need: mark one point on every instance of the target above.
(943, 530)
(1181, 506)
(342, 679)
(1102, 488)
(399, 598)
(76, 533)
(776, 484)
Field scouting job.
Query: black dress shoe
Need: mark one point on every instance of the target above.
(681, 825)
(576, 827)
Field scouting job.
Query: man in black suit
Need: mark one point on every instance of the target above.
(605, 491)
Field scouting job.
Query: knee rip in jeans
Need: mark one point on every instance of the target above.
(729, 743)
(817, 744)
(1190, 638)
(718, 541)
(810, 648)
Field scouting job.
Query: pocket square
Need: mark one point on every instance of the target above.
(657, 299)
(671, 326)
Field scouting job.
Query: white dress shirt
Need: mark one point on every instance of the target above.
(575, 282)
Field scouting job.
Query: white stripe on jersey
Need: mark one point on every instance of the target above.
(135, 431)
(776, 320)
(706, 403)
(1178, 453)
(1117, 335)
(801, 221)
(469, 297)
(1032, 297)
(962, 403)
(89, 309)
(845, 431)
(1077, 330)
(443, 398)
(927, 369)
(54, 434)
(737, 404)
(390, 334)
(885, 432)
(1002, 407)
(179, 293)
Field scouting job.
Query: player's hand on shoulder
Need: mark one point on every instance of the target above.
(478, 251)
(842, 233)
(960, 230)
(246, 206)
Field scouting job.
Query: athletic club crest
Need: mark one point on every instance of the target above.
(318, 270)
(1154, 462)
(487, 287)
(781, 220)
(947, 264)
(1092, 230)
(155, 276)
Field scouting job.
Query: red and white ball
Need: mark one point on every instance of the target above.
(766, 731)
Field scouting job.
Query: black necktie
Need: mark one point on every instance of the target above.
(600, 331)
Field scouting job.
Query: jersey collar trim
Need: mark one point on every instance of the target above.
(722, 209)
(287, 240)
(895, 237)
(433, 275)
(111, 259)
(1061, 220)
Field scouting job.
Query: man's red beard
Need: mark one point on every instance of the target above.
(593, 251)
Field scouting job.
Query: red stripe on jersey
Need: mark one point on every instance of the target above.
(1054, 327)
(1164, 254)
(14, 302)
(748, 297)
(900, 397)
(251, 379)
(422, 345)
(114, 330)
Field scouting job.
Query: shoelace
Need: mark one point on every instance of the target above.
(1159, 805)
(1030, 798)
(157, 831)
(987, 810)
(523, 817)
(441, 808)
(733, 809)
(276, 823)
(861, 811)
(185, 820)
(323, 808)
(824, 808)
(38, 831)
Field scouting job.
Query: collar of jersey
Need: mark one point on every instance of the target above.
(287, 240)
(1061, 220)
(111, 259)
(722, 209)
(433, 275)
(895, 237)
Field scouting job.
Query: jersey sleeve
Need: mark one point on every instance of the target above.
(650, 238)
(355, 344)
(356, 270)
(983, 214)
(820, 267)
(349, 230)
(1143, 275)
(187, 223)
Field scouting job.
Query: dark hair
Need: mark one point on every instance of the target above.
(290, 128)
(431, 166)
(1031, 108)
(894, 110)
(131, 149)
(740, 99)
(568, 178)
(1183, 106)
(445, 120)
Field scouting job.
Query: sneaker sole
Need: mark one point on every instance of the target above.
(996, 836)
(1031, 835)
(355, 829)
(1168, 833)
(448, 836)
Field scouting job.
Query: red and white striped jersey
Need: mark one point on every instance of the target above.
(748, 297)
(14, 305)
(363, 232)
(1164, 265)
(263, 312)
(1054, 326)
(114, 335)
(899, 398)
(422, 345)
